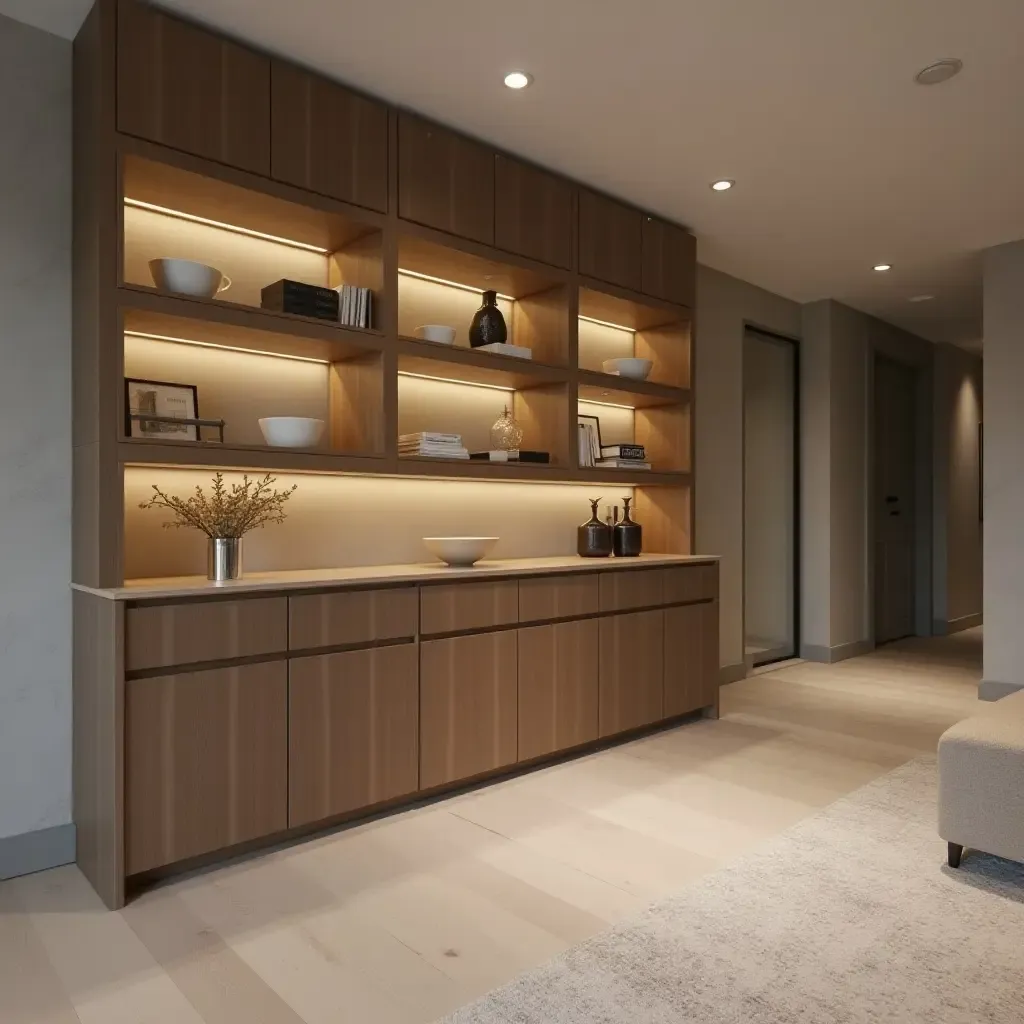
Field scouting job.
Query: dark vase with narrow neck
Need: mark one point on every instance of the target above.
(488, 324)
(594, 538)
(627, 536)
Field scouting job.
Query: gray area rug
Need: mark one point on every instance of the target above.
(850, 916)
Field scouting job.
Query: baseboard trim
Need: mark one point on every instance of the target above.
(732, 673)
(964, 622)
(830, 655)
(990, 689)
(37, 851)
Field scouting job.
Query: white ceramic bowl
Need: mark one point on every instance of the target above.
(436, 332)
(460, 551)
(291, 431)
(636, 369)
(186, 277)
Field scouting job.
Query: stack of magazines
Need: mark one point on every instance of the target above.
(432, 445)
(355, 306)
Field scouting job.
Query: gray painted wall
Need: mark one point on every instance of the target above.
(1004, 480)
(35, 443)
(727, 305)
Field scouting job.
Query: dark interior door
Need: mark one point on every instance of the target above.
(894, 445)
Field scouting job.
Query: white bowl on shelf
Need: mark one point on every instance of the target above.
(635, 369)
(440, 334)
(186, 277)
(459, 551)
(291, 431)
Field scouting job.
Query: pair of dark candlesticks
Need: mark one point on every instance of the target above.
(595, 539)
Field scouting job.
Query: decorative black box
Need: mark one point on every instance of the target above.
(286, 296)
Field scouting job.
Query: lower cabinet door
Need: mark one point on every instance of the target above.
(467, 706)
(632, 671)
(206, 762)
(558, 680)
(691, 657)
(353, 729)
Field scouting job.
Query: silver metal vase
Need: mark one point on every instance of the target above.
(224, 558)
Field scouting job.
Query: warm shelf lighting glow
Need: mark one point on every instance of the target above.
(449, 380)
(451, 284)
(229, 348)
(609, 405)
(194, 218)
(606, 323)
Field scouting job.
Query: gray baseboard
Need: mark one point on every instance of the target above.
(964, 622)
(36, 851)
(989, 689)
(732, 674)
(830, 655)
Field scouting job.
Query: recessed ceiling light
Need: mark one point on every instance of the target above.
(518, 79)
(941, 71)
(921, 298)
(882, 267)
(722, 185)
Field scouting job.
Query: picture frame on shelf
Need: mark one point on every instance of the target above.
(165, 401)
(589, 428)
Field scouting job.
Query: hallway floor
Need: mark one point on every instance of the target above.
(409, 917)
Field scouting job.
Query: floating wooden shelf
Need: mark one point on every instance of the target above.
(632, 477)
(143, 451)
(471, 366)
(639, 394)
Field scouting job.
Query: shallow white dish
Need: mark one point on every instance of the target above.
(439, 333)
(291, 431)
(186, 277)
(459, 551)
(635, 369)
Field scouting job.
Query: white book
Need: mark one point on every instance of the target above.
(343, 306)
(431, 435)
(360, 306)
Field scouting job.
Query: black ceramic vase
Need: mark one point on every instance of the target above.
(488, 325)
(627, 536)
(594, 538)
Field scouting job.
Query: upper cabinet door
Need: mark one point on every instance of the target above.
(445, 180)
(191, 90)
(532, 212)
(669, 261)
(610, 240)
(328, 139)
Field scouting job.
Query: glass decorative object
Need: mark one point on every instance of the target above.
(506, 434)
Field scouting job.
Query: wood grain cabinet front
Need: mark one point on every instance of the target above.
(610, 240)
(455, 607)
(669, 261)
(353, 731)
(328, 139)
(168, 635)
(206, 762)
(691, 583)
(691, 657)
(351, 617)
(189, 89)
(445, 180)
(632, 671)
(632, 588)
(558, 597)
(558, 685)
(532, 212)
(468, 707)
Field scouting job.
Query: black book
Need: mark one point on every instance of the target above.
(304, 299)
(623, 451)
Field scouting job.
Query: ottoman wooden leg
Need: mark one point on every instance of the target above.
(956, 851)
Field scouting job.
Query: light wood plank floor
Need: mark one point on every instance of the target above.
(404, 919)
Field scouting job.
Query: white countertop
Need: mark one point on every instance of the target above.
(363, 575)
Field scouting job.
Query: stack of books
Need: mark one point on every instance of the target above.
(355, 306)
(623, 456)
(431, 445)
(303, 299)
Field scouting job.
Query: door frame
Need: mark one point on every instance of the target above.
(794, 341)
(923, 498)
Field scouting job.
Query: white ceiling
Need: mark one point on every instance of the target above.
(841, 161)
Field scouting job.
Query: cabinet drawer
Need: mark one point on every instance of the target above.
(205, 762)
(158, 636)
(453, 607)
(634, 588)
(350, 617)
(559, 597)
(691, 583)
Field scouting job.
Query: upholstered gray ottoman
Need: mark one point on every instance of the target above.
(981, 781)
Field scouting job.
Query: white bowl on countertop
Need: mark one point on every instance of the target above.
(440, 334)
(634, 369)
(291, 431)
(460, 551)
(186, 277)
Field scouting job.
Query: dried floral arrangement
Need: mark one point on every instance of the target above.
(227, 512)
